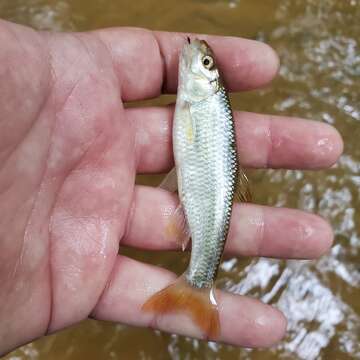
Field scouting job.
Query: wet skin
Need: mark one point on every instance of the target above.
(69, 154)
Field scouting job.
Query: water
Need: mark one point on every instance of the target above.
(318, 43)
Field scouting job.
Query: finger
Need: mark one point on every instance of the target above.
(254, 230)
(146, 62)
(243, 321)
(280, 142)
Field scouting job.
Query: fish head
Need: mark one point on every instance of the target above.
(199, 76)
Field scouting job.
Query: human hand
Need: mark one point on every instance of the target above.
(69, 153)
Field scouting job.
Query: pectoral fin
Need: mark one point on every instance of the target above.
(170, 182)
(190, 127)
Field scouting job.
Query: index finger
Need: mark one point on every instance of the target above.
(146, 62)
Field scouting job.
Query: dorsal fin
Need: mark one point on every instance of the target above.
(242, 188)
(169, 182)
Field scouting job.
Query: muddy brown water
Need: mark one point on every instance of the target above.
(318, 42)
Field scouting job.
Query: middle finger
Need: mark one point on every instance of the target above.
(263, 141)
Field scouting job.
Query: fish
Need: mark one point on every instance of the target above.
(209, 178)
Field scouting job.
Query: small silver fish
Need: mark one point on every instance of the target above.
(207, 171)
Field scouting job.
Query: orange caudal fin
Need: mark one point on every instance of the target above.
(199, 304)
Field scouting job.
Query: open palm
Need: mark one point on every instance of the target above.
(69, 154)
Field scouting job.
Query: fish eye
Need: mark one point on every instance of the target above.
(208, 62)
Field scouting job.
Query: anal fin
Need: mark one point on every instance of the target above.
(177, 228)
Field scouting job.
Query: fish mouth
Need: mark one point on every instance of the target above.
(193, 47)
(194, 50)
(187, 53)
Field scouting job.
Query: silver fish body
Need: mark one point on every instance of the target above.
(206, 164)
(207, 171)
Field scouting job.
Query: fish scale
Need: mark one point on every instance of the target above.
(208, 168)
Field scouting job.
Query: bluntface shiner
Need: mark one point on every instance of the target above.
(207, 170)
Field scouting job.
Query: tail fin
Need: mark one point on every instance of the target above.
(180, 296)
